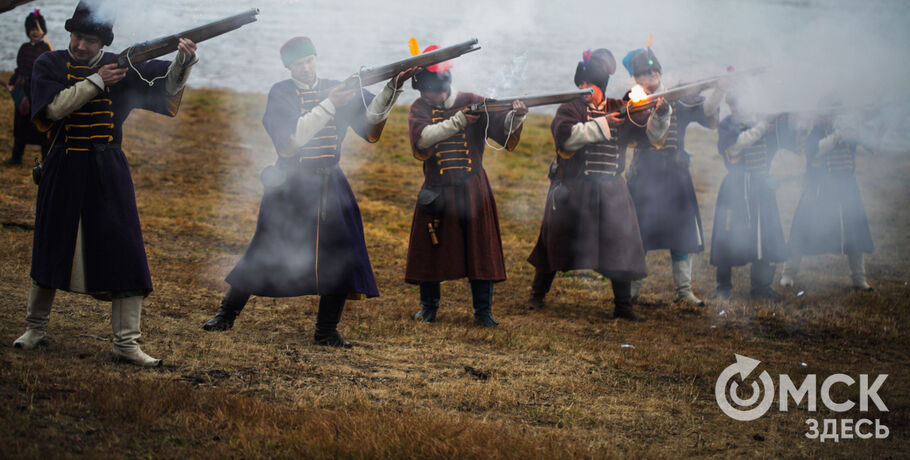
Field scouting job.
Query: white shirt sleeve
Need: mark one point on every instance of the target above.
(74, 97)
(378, 110)
(588, 132)
(513, 122)
(658, 125)
(747, 138)
(438, 132)
(178, 73)
(311, 122)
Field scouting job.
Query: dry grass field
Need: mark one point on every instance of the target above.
(566, 381)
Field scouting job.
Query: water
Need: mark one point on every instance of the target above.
(530, 46)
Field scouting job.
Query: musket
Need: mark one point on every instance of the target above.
(6, 5)
(371, 75)
(681, 91)
(505, 104)
(151, 49)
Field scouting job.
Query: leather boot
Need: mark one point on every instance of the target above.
(857, 264)
(36, 319)
(724, 282)
(788, 273)
(429, 301)
(330, 309)
(762, 274)
(636, 290)
(18, 152)
(125, 319)
(482, 294)
(622, 301)
(231, 306)
(540, 286)
(682, 276)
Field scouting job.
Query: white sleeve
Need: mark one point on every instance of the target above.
(377, 111)
(178, 73)
(311, 122)
(711, 106)
(827, 144)
(589, 132)
(438, 132)
(658, 125)
(747, 138)
(513, 122)
(74, 97)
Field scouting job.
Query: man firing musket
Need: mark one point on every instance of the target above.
(87, 234)
(309, 237)
(659, 178)
(506, 104)
(455, 230)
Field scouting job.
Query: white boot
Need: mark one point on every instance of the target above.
(682, 276)
(125, 314)
(857, 264)
(788, 274)
(636, 290)
(39, 309)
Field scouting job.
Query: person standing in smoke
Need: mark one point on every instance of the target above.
(830, 217)
(589, 222)
(24, 132)
(87, 235)
(455, 230)
(659, 178)
(309, 235)
(747, 226)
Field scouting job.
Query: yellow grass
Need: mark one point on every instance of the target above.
(550, 383)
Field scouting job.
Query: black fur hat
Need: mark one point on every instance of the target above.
(86, 20)
(426, 80)
(595, 68)
(35, 20)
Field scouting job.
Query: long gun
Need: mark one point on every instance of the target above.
(504, 104)
(649, 101)
(6, 5)
(144, 51)
(369, 76)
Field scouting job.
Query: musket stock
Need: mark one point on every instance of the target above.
(151, 49)
(6, 5)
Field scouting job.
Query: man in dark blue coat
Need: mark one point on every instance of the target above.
(309, 236)
(659, 178)
(87, 237)
(747, 228)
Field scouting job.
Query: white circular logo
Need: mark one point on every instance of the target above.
(743, 366)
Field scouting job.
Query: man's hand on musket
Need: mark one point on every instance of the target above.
(341, 97)
(519, 107)
(614, 119)
(111, 74)
(471, 116)
(662, 106)
(403, 76)
(186, 49)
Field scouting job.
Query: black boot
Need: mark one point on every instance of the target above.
(429, 301)
(231, 306)
(724, 282)
(482, 294)
(762, 274)
(539, 289)
(622, 299)
(18, 151)
(330, 308)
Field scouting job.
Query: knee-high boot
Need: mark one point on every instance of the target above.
(125, 319)
(622, 300)
(429, 301)
(682, 276)
(482, 295)
(36, 319)
(330, 309)
(231, 306)
(540, 286)
(857, 264)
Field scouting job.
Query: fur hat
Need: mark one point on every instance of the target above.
(641, 61)
(296, 48)
(436, 78)
(35, 20)
(88, 20)
(595, 67)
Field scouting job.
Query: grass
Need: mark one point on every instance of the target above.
(550, 383)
